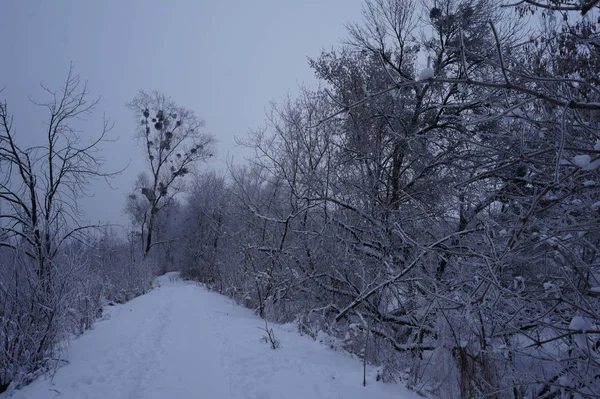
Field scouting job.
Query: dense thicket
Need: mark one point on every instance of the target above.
(436, 196)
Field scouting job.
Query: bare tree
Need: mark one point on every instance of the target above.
(173, 144)
(41, 184)
(47, 289)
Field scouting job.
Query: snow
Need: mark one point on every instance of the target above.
(548, 285)
(579, 323)
(426, 73)
(595, 289)
(597, 146)
(593, 165)
(585, 162)
(180, 341)
(589, 183)
(369, 250)
(596, 206)
(581, 160)
(565, 381)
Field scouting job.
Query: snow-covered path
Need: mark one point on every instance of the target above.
(181, 341)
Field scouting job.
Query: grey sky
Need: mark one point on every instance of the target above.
(224, 59)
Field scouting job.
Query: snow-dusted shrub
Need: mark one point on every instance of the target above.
(35, 317)
(124, 272)
(133, 280)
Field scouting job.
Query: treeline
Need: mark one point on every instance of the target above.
(441, 220)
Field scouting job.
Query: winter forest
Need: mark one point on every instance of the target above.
(441, 223)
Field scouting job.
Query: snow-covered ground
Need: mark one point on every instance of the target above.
(181, 341)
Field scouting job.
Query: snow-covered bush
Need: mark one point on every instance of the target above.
(35, 318)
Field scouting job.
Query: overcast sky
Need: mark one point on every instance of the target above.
(224, 59)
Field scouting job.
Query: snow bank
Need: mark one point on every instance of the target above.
(180, 341)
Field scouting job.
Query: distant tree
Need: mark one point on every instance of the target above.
(203, 220)
(173, 142)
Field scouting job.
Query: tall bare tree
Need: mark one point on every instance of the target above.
(40, 185)
(173, 143)
(48, 287)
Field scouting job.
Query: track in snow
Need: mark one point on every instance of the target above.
(180, 341)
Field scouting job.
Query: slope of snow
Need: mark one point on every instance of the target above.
(181, 341)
